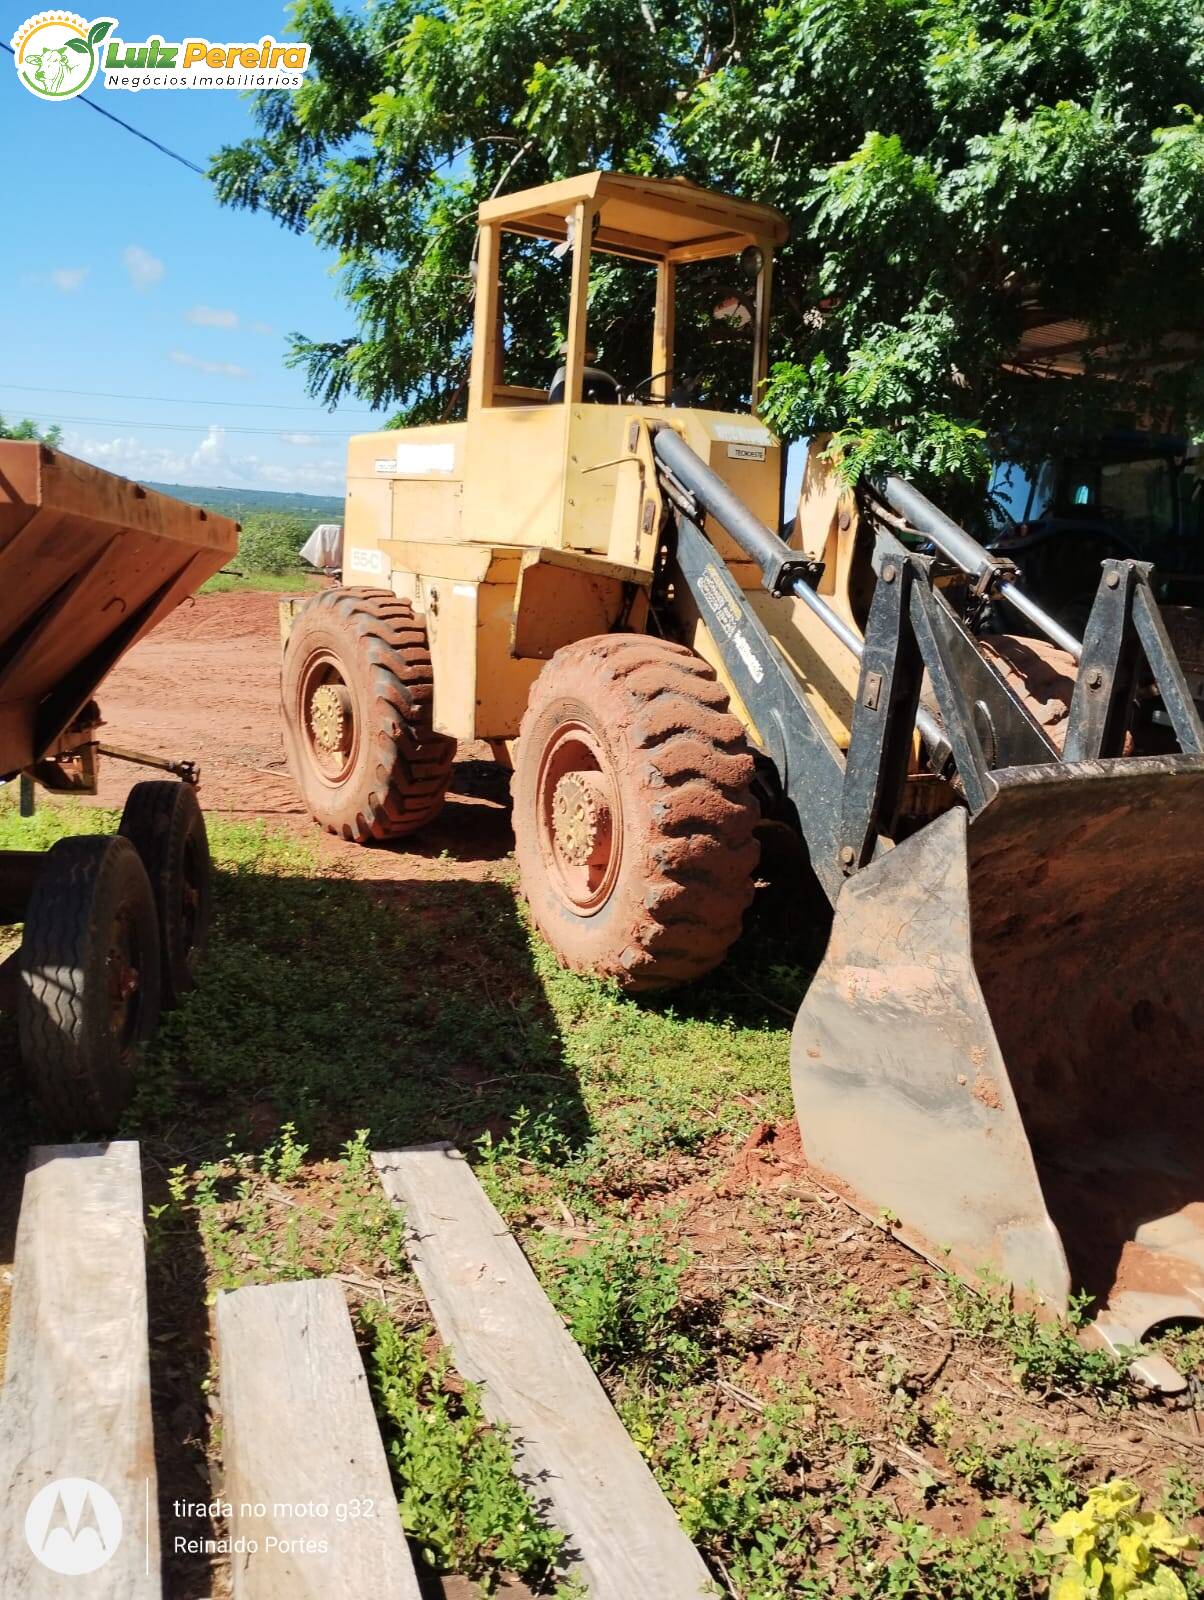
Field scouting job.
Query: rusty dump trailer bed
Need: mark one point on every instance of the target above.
(89, 563)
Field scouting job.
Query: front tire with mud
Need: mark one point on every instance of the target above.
(357, 688)
(633, 813)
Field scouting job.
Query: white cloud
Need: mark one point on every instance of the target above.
(219, 369)
(301, 438)
(262, 327)
(145, 270)
(211, 463)
(210, 317)
(68, 279)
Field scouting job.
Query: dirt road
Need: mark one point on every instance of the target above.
(205, 686)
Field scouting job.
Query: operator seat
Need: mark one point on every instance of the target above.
(598, 387)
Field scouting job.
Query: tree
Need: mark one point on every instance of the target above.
(25, 429)
(271, 541)
(950, 168)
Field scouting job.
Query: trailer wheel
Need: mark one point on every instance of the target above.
(88, 971)
(357, 687)
(165, 824)
(633, 814)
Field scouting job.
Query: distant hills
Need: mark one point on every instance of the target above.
(242, 503)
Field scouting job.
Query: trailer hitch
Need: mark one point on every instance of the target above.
(187, 771)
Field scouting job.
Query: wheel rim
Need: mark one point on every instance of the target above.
(123, 976)
(579, 817)
(326, 715)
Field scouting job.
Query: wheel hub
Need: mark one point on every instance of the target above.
(581, 818)
(330, 719)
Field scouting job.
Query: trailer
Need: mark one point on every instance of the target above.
(112, 925)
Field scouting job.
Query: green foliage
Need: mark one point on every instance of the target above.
(1029, 1469)
(1045, 1351)
(946, 167)
(739, 1493)
(736, 1495)
(622, 1298)
(25, 429)
(460, 1500)
(270, 541)
(1114, 1548)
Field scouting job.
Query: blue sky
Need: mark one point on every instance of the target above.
(133, 281)
(153, 321)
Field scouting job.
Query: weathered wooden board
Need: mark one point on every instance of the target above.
(506, 1336)
(305, 1470)
(76, 1398)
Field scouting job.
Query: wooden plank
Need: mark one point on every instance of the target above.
(506, 1336)
(76, 1397)
(300, 1442)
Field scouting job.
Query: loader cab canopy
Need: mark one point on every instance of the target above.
(667, 224)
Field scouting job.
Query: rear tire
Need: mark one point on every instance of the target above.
(88, 972)
(633, 815)
(1040, 673)
(165, 824)
(357, 690)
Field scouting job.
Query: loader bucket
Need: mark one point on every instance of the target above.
(1004, 1044)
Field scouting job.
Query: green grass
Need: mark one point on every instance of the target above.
(299, 582)
(422, 1007)
(1045, 1353)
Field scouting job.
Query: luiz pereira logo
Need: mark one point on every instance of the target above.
(57, 55)
(73, 1526)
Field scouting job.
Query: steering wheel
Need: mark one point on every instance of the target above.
(686, 380)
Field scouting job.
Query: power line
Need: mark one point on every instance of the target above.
(137, 132)
(177, 400)
(179, 427)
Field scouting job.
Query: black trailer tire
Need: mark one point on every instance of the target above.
(164, 822)
(357, 688)
(88, 970)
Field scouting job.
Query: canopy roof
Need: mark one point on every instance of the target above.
(649, 219)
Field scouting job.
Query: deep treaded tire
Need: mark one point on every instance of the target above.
(633, 814)
(164, 822)
(1041, 674)
(89, 981)
(357, 688)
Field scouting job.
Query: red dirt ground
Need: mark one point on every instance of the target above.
(205, 686)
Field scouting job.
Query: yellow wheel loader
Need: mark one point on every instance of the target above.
(1002, 1046)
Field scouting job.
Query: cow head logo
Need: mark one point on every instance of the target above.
(73, 1526)
(57, 53)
